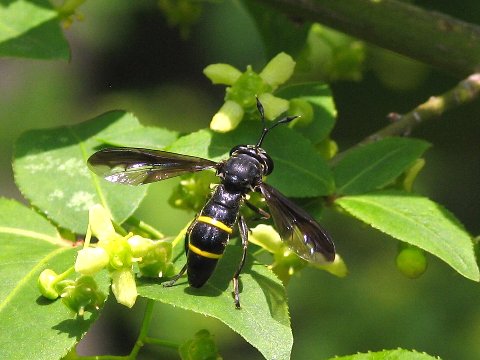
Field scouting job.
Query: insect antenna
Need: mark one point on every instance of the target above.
(266, 129)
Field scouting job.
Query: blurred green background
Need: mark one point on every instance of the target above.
(124, 56)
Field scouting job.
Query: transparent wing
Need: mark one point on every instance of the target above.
(298, 229)
(136, 166)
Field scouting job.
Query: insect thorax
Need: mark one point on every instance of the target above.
(245, 168)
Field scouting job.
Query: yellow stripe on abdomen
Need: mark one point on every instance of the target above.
(203, 253)
(216, 223)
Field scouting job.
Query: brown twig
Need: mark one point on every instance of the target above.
(429, 36)
(466, 91)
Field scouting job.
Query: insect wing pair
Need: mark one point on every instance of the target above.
(137, 166)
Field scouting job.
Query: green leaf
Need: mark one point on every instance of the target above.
(146, 137)
(278, 32)
(417, 221)
(263, 319)
(30, 325)
(51, 171)
(319, 96)
(398, 354)
(31, 29)
(299, 170)
(375, 165)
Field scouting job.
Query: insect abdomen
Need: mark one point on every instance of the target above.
(205, 247)
(208, 239)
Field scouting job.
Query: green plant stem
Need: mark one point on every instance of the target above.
(466, 91)
(142, 339)
(164, 343)
(181, 235)
(434, 38)
(145, 227)
(64, 275)
(147, 318)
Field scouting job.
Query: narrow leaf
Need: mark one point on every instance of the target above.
(299, 170)
(375, 165)
(417, 221)
(30, 325)
(398, 354)
(51, 171)
(263, 319)
(31, 29)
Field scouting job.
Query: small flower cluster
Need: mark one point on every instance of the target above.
(244, 87)
(181, 13)
(192, 191)
(68, 12)
(117, 254)
(286, 263)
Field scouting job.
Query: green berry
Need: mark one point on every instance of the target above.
(411, 261)
(46, 284)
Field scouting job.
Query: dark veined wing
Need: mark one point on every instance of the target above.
(136, 166)
(298, 229)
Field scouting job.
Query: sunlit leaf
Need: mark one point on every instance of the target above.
(30, 325)
(51, 171)
(263, 319)
(374, 165)
(417, 221)
(31, 29)
(145, 136)
(397, 354)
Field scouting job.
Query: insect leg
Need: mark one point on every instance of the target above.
(176, 277)
(184, 268)
(243, 229)
(263, 214)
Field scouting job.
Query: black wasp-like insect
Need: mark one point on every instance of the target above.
(208, 234)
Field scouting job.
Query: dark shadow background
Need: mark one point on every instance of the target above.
(124, 56)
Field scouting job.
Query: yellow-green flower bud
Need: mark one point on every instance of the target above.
(337, 267)
(327, 148)
(266, 237)
(140, 246)
(91, 260)
(278, 70)
(303, 109)
(228, 117)
(222, 73)
(273, 105)
(46, 284)
(286, 264)
(82, 295)
(124, 287)
(120, 254)
(101, 223)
